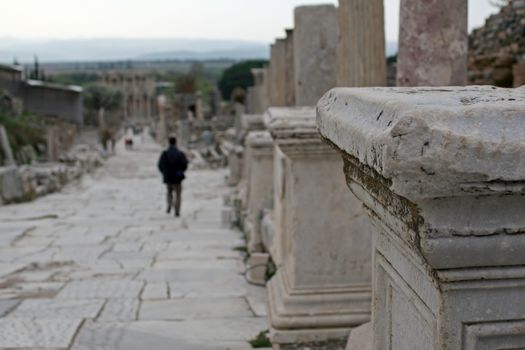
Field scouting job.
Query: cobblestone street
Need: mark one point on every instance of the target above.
(102, 266)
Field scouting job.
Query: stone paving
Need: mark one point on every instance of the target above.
(102, 266)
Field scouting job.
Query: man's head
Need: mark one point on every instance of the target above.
(173, 141)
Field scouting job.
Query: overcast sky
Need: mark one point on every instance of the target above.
(254, 20)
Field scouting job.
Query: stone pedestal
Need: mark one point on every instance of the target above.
(433, 43)
(315, 42)
(441, 172)
(322, 286)
(235, 162)
(361, 59)
(260, 185)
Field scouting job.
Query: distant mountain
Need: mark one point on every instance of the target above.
(127, 49)
(118, 49)
(239, 53)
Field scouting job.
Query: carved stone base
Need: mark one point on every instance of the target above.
(314, 315)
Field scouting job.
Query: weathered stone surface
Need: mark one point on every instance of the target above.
(27, 333)
(7, 306)
(312, 300)
(260, 185)
(14, 187)
(419, 139)
(58, 309)
(256, 267)
(433, 43)
(119, 310)
(93, 243)
(439, 170)
(221, 334)
(201, 289)
(194, 308)
(361, 59)
(101, 289)
(315, 42)
(155, 291)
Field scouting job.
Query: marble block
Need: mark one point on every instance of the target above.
(322, 287)
(442, 174)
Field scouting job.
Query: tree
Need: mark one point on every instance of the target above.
(186, 84)
(98, 96)
(238, 76)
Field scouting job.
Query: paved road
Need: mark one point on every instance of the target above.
(101, 266)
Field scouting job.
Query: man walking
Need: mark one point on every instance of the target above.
(172, 164)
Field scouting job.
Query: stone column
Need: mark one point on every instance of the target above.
(258, 79)
(259, 147)
(162, 134)
(433, 43)
(289, 80)
(277, 73)
(198, 106)
(441, 172)
(6, 147)
(315, 43)
(322, 286)
(361, 59)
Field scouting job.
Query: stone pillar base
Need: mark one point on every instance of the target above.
(314, 315)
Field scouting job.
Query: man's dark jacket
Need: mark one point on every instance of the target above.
(172, 165)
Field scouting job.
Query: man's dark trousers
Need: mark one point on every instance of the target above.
(174, 202)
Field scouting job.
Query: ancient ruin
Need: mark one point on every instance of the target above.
(322, 210)
(444, 206)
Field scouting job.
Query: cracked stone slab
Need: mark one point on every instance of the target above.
(220, 334)
(58, 309)
(20, 290)
(193, 308)
(7, 305)
(119, 310)
(101, 289)
(197, 264)
(206, 290)
(189, 275)
(42, 333)
(155, 291)
(258, 305)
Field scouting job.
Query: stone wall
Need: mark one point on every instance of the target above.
(497, 47)
(25, 183)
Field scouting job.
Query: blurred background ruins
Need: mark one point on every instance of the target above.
(69, 92)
